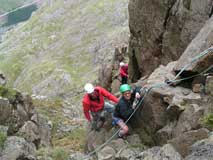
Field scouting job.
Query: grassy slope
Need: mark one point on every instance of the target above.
(53, 53)
(59, 49)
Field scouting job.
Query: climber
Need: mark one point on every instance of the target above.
(94, 104)
(125, 107)
(123, 70)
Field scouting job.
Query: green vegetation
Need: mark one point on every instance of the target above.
(207, 120)
(8, 93)
(53, 110)
(59, 39)
(3, 137)
(59, 154)
(140, 146)
(53, 153)
(75, 140)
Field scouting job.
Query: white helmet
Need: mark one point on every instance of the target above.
(89, 88)
(122, 64)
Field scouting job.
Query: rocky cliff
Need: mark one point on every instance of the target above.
(174, 119)
(22, 129)
(161, 30)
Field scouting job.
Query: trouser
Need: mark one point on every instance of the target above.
(99, 117)
(124, 80)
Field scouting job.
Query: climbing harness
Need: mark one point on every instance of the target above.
(159, 85)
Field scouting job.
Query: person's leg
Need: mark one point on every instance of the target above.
(125, 80)
(95, 119)
(124, 128)
(109, 107)
(122, 80)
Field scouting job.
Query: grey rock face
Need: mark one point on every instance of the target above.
(5, 113)
(20, 117)
(161, 30)
(107, 153)
(18, 148)
(201, 150)
(37, 131)
(183, 142)
(209, 85)
(160, 153)
(201, 42)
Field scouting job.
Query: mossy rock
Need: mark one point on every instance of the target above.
(207, 121)
(8, 93)
(3, 138)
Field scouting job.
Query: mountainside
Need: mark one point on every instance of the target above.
(63, 46)
(60, 47)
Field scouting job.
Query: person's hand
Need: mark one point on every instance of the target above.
(137, 95)
(94, 125)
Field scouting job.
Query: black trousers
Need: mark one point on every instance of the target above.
(124, 80)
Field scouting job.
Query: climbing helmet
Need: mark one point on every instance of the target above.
(89, 88)
(124, 88)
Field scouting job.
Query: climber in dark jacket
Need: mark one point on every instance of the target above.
(125, 107)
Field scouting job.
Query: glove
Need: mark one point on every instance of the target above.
(93, 125)
(96, 125)
(137, 95)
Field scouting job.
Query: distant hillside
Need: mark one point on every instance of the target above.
(62, 45)
(8, 5)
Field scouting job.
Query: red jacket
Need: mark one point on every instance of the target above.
(124, 71)
(96, 105)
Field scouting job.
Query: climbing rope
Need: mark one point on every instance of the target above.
(159, 85)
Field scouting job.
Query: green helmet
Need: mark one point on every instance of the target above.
(124, 88)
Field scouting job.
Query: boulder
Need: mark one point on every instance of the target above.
(201, 150)
(6, 110)
(16, 148)
(127, 154)
(188, 120)
(105, 76)
(183, 142)
(37, 131)
(160, 153)
(94, 139)
(202, 42)
(164, 134)
(117, 144)
(107, 153)
(164, 104)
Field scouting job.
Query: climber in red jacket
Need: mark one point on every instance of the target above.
(94, 106)
(123, 72)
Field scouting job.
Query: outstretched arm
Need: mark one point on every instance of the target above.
(108, 95)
